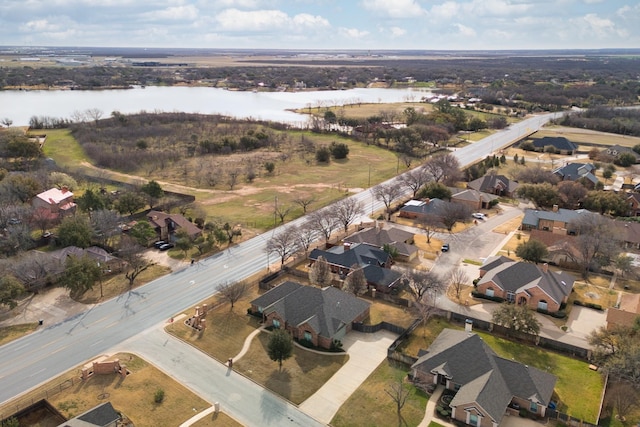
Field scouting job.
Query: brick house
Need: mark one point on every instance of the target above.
(474, 199)
(557, 220)
(102, 415)
(524, 283)
(561, 144)
(421, 209)
(498, 185)
(378, 236)
(487, 386)
(317, 315)
(55, 202)
(626, 313)
(167, 224)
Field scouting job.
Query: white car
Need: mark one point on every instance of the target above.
(478, 215)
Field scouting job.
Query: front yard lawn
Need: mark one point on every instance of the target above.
(370, 405)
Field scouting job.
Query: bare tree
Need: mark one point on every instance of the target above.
(320, 273)
(6, 121)
(415, 179)
(284, 243)
(596, 243)
(282, 211)
(232, 292)
(444, 168)
(346, 211)
(323, 222)
(430, 224)
(355, 282)
(458, 279)
(304, 202)
(35, 270)
(387, 193)
(42, 219)
(305, 236)
(95, 114)
(131, 252)
(399, 392)
(232, 178)
(623, 398)
(451, 213)
(422, 285)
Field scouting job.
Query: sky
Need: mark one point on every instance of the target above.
(324, 24)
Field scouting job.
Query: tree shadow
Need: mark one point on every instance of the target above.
(280, 383)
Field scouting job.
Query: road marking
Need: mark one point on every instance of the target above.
(95, 343)
(36, 373)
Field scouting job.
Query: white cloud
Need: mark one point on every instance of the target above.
(353, 33)
(445, 10)
(394, 8)
(397, 31)
(267, 20)
(465, 31)
(601, 27)
(307, 21)
(39, 25)
(175, 13)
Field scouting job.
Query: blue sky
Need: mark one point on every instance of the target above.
(324, 24)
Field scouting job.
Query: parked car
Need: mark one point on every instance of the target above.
(445, 247)
(478, 215)
(14, 221)
(159, 243)
(166, 246)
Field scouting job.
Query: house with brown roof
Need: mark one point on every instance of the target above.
(167, 224)
(525, 283)
(626, 313)
(498, 185)
(488, 387)
(633, 199)
(55, 202)
(320, 316)
(616, 150)
(395, 237)
(474, 199)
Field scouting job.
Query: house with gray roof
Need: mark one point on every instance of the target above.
(524, 283)
(317, 315)
(488, 386)
(577, 171)
(474, 199)
(375, 263)
(561, 144)
(379, 237)
(103, 415)
(616, 150)
(498, 185)
(421, 209)
(558, 220)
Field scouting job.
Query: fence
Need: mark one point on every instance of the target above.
(30, 401)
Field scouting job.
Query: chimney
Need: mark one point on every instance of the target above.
(555, 208)
(468, 326)
(346, 246)
(64, 189)
(545, 268)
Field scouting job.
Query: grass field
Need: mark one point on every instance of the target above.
(10, 333)
(371, 406)
(64, 149)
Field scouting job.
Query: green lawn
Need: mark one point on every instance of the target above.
(64, 149)
(370, 405)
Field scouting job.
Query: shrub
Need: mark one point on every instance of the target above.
(483, 296)
(323, 155)
(158, 397)
(339, 150)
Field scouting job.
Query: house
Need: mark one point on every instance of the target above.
(628, 232)
(498, 185)
(616, 150)
(577, 171)
(103, 415)
(487, 386)
(379, 237)
(525, 283)
(633, 199)
(375, 263)
(558, 220)
(626, 313)
(105, 260)
(474, 199)
(561, 144)
(317, 315)
(167, 224)
(55, 202)
(561, 248)
(421, 209)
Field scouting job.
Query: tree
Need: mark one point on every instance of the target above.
(131, 252)
(10, 290)
(129, 202)
(305, 235)
(105, 226)
(41, 219)
(532, 251)
(339, 150)
(452, 213)
(617, 350)
(622, 398)
(435, 190)
(386, 193)
(75, 231)
(323, 155)
(280, 346)
(626, 160)
(61, 179)
(623, 263)
(80, 274)
(606, 202)
(346, 211)
(430, 223)
(323, 222)
(320, 273)
(444, 168)
(304, 202)
(458, 279)
(183, 241)
(143, 233)
(415, 179)
(422, 285)
(90, 201)
(571, 193)
(269, 167)
(281, 212)
(231, 232)
(154, 192)
(355, 282)
(536, 175)
(284, 243)
(543, 195)
(596, 243)
(232, 292)
(516, 318)
(399, 392)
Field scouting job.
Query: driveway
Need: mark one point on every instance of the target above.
(366, 352)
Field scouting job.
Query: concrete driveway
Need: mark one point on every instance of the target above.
(366, 352)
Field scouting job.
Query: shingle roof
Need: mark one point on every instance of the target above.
(560, 143)
(533, 216)
(473, 196)
(359, 254)
(489, 183)
(98, 416)
(379, 237)
(159, 219)
(326, 310)
(485, 378)
(575, 171)
(432, 207)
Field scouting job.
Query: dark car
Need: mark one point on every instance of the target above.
(445, 247)
(166, 246)
(159, 243)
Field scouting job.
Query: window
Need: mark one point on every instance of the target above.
(534, 407)
(473, 419)
(276, 323)
(542, 305)
(511, 297)
(260, 310)
(307, 336)
(490, 292)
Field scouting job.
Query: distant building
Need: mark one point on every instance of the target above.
(561, 145)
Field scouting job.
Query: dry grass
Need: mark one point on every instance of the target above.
(509, 226)
(627, 285)
(301, 375)
(13, 332)
(133, 396)
(591, 294)
(370, 405)
(382, 310)
(582, 136)
(217, 420)
(363, 111)
(423, 336)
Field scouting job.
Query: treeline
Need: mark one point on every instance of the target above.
(623, 121)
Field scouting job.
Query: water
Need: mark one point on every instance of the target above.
(20, 106)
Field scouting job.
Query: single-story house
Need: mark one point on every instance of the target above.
(56, 202)
(558, 220)
(616, 150)
(576, 171)
(393, 236)
(105, 260)
(167, 224)
(629, 232)
(375, 262)
(561, 248)
(103, 415)
(498, 185)
(524, 283)
(317, 315)
(561, 144)
(421, 209)
(474, 199)
(626, 313)
(487, 386)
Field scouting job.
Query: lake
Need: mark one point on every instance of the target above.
(20, 106)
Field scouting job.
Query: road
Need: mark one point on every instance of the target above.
(33, 359)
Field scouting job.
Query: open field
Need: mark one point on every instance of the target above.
(133, 396)
(370, 405)
(10, 333)
(586, 138)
